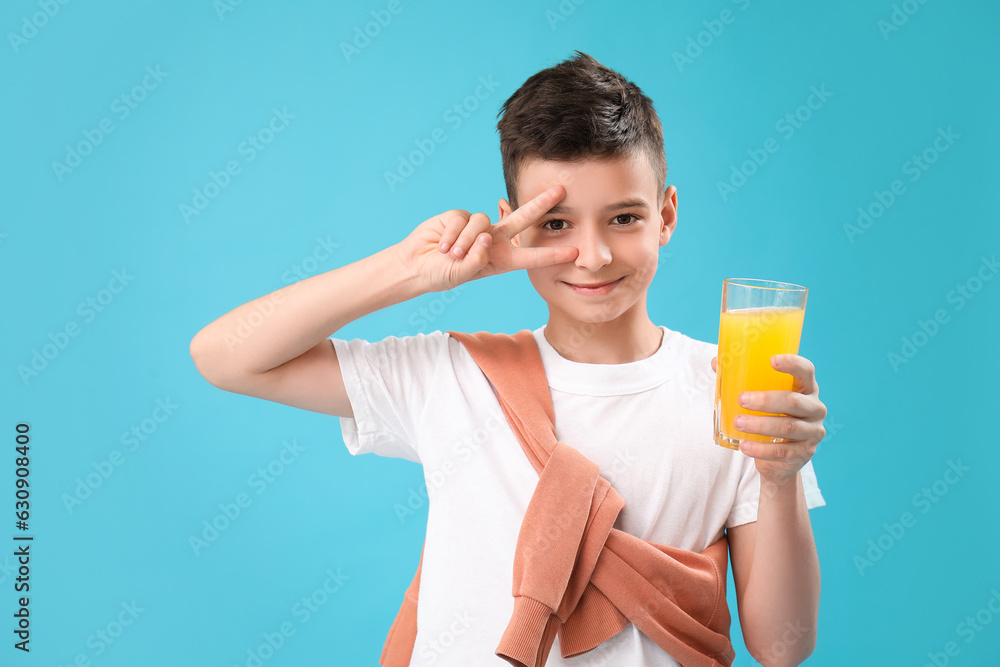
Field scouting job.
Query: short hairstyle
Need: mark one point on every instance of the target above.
(575, 110)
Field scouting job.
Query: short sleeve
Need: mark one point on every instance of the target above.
(744, 508)
(388, 383)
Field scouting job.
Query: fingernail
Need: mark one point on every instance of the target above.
(745, 398)
(745, 446)
(444, 246)
(457, 251)
(740, 421)
(485, 241)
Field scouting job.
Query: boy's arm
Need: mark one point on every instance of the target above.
(276, 347)
(777, 577)
(775, 564)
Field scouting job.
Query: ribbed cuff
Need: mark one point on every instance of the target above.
(527, 633)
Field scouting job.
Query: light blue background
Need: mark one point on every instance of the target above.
(891, 432)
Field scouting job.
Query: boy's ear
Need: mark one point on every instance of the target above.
(506, 210)
(668, 213)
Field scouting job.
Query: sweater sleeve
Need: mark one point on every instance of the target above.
(388, 383)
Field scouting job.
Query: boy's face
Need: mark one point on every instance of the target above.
(615, 216)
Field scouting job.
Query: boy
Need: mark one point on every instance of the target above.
(585, 173)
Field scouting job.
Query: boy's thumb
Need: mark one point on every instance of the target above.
(481, 248)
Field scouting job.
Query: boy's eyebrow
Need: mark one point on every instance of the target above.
(618, 206)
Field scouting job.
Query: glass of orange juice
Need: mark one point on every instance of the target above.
(760, 318)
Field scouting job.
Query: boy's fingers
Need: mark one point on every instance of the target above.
(785, 428)
(532, 210)
(454, 222)
(480, 250)
(770, 452)
(531, 258)
(782, 401)
(477, 223)
(798, 367)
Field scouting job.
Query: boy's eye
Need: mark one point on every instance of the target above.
(623, 220)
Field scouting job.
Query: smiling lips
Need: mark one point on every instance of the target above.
(595, 288)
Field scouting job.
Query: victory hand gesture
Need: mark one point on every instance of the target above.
(456, 246)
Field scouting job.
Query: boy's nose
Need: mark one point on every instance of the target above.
(594, 251)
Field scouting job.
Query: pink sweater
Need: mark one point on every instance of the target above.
(573, 573)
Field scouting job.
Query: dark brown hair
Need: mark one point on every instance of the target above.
(575, 110)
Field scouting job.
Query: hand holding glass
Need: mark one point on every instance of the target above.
(760, 318)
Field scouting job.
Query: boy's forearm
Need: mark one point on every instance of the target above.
(781, 601)
(272, 329)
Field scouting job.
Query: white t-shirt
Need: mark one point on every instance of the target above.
(647, 424)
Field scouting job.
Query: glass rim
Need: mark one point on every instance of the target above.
(759, 283)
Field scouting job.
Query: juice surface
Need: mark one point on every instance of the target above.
(747, 340)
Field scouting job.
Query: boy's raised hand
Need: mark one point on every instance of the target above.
(456, 246)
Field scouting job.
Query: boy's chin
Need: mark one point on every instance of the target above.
(582, 313)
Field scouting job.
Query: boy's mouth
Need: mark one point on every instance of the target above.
(595, 288)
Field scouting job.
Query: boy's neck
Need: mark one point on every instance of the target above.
(615, 342)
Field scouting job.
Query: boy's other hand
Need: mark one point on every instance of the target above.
(456, 246)
(799, 428)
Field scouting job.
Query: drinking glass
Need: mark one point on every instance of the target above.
(759, 318)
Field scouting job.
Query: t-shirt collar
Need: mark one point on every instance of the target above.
(574, 377)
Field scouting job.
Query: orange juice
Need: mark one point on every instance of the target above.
(748, 337)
